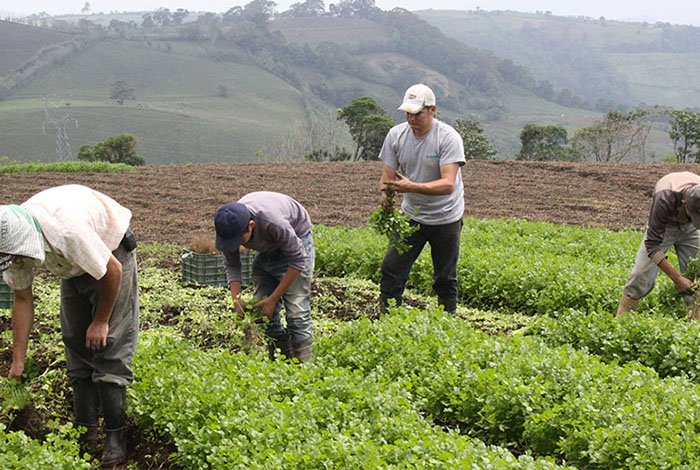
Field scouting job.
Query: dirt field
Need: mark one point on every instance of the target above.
(174, 203)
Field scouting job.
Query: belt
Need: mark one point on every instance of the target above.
(128, 241)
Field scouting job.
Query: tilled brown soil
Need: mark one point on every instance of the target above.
(173, 203)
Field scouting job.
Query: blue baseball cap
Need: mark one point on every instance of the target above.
(231, 222)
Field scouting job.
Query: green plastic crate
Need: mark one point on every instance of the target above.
(7, 297)
(208, 270)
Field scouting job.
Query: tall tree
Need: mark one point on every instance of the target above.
(179, 16)
(121, 91)
(259, 11)
(542, 143)
(476, 145)
(617, 137)
(308, 8)
(685, 135)
(162, 17)
(368, 124)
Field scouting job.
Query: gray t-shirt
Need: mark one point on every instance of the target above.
(280, 222)
(419, 159)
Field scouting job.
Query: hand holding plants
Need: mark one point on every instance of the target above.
(392, 223)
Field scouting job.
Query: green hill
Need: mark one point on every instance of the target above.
(21, 42)
(628, 63)
(177, 115)
(211, 91)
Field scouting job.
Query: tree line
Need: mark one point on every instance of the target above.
(616, 137)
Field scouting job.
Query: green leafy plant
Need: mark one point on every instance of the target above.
(15, 395)
(71, 166)
(253, 324)
(390, 222)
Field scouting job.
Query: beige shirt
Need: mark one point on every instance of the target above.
(81, 229)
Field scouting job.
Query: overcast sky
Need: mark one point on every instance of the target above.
(672, 11)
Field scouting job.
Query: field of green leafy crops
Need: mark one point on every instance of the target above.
(535, 371)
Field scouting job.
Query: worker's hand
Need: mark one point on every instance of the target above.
(683, 285)
(266, 306)
(16, 370)
(96, 336)
(401, 184)
(239, 305)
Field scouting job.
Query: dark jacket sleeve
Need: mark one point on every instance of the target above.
(664, 206)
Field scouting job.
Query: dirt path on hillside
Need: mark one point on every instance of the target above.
(174, 203)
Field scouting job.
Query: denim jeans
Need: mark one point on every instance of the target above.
(444, 248)
(268, 270)
(685, 239)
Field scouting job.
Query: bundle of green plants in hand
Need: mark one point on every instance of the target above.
(693, 273)
(390, 222)
(253, 323)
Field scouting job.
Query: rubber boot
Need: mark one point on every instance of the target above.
(450, 305)
(284, 344)
(303, 351)
(86, 401)
(112, 397)
(384, 303)
(627, 304)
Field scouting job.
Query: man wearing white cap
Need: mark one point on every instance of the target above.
(83, 237)
(422, 160)
(674, 220)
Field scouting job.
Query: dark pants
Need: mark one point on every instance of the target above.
(444, 249)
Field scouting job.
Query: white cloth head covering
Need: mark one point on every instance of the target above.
(20, 233)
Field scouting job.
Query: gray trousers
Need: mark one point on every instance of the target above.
(79, 298)
(686, 241)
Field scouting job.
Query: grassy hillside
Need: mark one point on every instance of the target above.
(284, 82)
(176, 117)
(631, 63)
(313, 31)
(20, 43)
(670, 79)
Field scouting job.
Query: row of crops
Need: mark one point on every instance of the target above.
(569, 385)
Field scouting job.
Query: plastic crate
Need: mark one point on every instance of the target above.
(7, 297)
(208, 270)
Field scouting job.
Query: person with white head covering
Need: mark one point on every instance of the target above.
(422, 160)
(83, 237)
(674, 220)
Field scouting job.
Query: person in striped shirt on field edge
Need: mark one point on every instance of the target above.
(83, 237)
(674, 221)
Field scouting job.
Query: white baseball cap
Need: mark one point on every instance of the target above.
(416, 98)
(20, 234)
